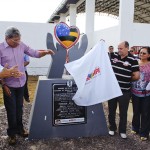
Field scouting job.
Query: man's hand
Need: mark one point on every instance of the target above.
(12, 72)
(46, 52)
(135, 76)
(15, 72)
(6, 90)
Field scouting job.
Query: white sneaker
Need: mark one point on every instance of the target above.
(123, 135)
(112, 133)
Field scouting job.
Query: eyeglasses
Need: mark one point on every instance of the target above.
(131, 51)
(15, 41)
(143, 53)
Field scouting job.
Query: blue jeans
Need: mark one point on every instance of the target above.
(14, 109)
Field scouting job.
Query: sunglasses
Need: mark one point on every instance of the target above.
(131, 51)
(143, 53)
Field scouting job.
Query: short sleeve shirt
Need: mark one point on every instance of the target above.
(123, 69)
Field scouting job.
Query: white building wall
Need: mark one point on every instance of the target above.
(110, 35)
(141, 34)
(34, 35)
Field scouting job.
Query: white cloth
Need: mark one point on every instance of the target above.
(1, 68)
(101, 85)
(148, 87)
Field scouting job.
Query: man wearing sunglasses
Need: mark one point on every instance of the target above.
(12, 52)
(133, 52)
(126, 69)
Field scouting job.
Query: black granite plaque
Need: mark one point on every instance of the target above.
(65, 111)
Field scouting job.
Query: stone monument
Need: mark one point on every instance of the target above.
(54, 113)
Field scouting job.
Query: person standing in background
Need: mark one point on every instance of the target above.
(110, 51)
(26, 92)
(133, 53)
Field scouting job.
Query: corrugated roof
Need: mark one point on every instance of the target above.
(141, 11)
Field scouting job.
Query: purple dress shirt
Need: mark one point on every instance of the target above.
(15, 56)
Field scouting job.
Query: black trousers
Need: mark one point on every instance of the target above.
(14, 109)
(26, 92)
(123, 102)
(147, 129)
(140, 120)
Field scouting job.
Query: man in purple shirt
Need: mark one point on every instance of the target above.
(12, 52)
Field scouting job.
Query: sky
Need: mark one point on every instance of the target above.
(39, 11)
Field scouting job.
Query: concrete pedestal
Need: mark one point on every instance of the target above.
(41, 125)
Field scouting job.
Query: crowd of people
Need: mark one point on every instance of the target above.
(132, 73)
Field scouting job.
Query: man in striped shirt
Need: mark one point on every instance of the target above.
(126, 69)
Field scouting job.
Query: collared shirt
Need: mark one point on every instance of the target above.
(26, 59)
(123, 69)
(15, 56)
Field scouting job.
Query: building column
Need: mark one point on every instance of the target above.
(126, 17)
(56, 21)
(89, 25)
(72, 12)
(62, 17)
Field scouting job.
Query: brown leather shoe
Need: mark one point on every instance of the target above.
(12, 140)
(23, 133)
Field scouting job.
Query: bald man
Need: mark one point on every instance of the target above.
(126, 69)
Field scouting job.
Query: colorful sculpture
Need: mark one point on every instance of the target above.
(65, 35)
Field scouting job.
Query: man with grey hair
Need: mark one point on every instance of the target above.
(12, 52)
(126, 69)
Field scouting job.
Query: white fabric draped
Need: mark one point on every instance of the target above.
(94, 77)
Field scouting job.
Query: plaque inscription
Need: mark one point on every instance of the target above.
(65, 111)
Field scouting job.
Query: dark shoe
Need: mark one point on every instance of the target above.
(23, 133)
(12, 140)
(27, 100)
